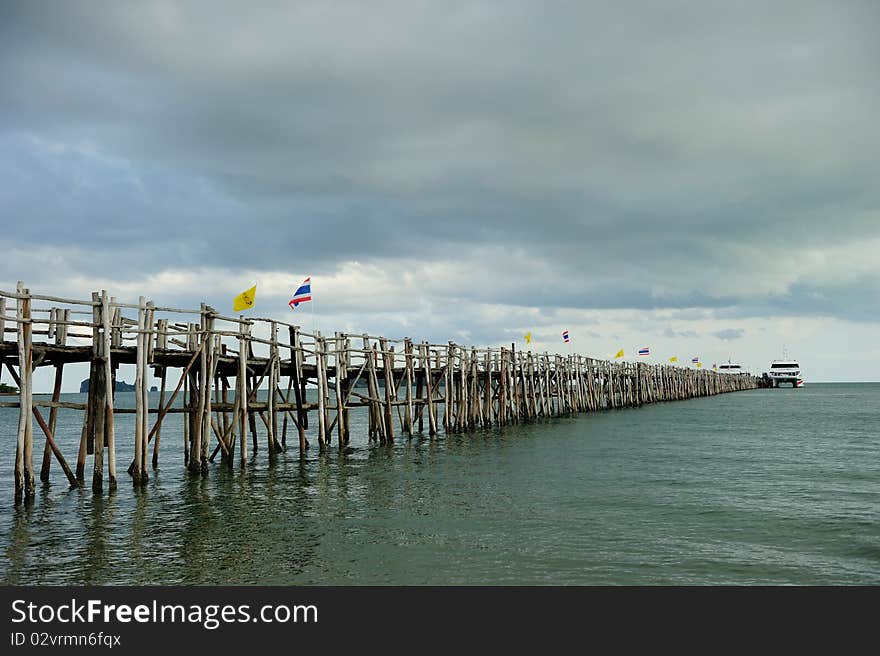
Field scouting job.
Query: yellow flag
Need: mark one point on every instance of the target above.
(699, 364)
(528, 338)
(245, 300)
(619, 354)
(674, 358)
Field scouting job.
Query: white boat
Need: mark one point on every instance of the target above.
(730, 368)
(786, 372)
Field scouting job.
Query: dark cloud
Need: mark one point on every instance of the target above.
(568, 156)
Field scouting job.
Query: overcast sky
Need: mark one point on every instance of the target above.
(701, 178)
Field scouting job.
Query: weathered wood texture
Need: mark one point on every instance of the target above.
(396, 382)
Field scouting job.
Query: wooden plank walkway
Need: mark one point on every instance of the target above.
(226, 363)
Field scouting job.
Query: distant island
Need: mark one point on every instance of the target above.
(6, 389)
(121, 386)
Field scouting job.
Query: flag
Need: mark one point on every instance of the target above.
(565, 337)
(699, 364)
(245, 300)
(528, 338)
(674, 358)
(645, 351)
(695, 360)
(302, 294)
(715, 367)
(619, 354)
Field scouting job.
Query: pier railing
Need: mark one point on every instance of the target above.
(405, 387)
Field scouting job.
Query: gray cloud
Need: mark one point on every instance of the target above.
(729, 334)
(700, 159)
(671, 334)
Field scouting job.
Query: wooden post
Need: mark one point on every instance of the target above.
(325, 358)
(98, 396)
(319, 369)
(207, 382)
(429, 389)
(447, 390)
(296, 364)
(144, 356)
(463, 417)
(241, 389)
(341, 377)
(109, 430)
(408, 409)
(388, 371)
(139, 382)
(373, 389)
(420, 382)
(476, 414)
(517, 402)
(533, 394)
(487, 389)
(24, 461)
(116, 325)
(272, 428)
(198, 381)
(502, 400)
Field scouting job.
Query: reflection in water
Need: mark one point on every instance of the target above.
(95, 559)
(199, 524)
(17, 556)
(664, 494)
(139, 544)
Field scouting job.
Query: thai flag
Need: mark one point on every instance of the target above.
(645, 351)
(565, 337)
(302, 294)
(695, 360)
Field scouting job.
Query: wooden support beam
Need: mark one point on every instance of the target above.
(388, 369)
(109, 428)
(341, 392)
(139, 475)
(296, 360)
(50, 439)
(408, 378)
(322, 417)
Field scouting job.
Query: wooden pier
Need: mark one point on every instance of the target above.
(235, 372)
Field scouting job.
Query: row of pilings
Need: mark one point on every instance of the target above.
(228, 375)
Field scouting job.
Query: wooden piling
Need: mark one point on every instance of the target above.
(24, 483)
(475, 387)
(341, 377)
(241, 390)
(207, 382)
(272, 426)
(109, 429)
(296, 371)
(139, 475)
(320, 373)
(388, 375)
(429, 390)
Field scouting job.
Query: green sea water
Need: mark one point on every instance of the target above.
(759, 487)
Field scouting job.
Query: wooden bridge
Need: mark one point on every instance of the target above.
(401, 384)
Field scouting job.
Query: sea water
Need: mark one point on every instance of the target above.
(758, 487)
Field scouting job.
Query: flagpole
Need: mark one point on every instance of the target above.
(312, 303)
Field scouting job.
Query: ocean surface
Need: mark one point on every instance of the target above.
(759, 487)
